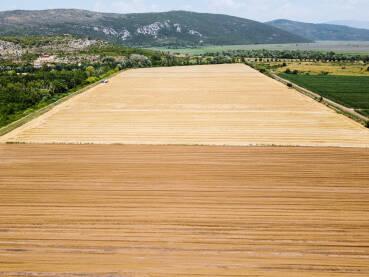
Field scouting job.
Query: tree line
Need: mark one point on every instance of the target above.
(291, 54)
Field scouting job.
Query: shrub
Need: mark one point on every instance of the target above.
(295, 72)
(288, 71)
(91, 80)
(289, 85)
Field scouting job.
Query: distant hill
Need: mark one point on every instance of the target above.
(321, 31)
(11, 47)
(179, 28)
(351, 23)
(29, 48)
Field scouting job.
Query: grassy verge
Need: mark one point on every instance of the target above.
(364, 112)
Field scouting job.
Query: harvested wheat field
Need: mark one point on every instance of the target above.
(211, 104)
(127, 210)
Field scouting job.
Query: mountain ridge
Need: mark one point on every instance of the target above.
(321, 31)
(144, 29)
(361, 24)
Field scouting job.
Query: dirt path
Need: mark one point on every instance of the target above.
(113, 210)
(211, 104)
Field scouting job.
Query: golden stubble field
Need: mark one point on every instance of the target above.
(210, 104)
(136, 210)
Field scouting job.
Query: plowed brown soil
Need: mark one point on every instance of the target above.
(114, 210)
(212, 104)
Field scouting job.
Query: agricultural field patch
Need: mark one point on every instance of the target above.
(320, 68)
(350, 91)
(346, 47)
(229, 104)
(115, 210)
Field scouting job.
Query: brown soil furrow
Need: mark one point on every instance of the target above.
(135, 210)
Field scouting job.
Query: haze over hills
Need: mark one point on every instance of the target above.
(321, 31)
(145, 29)
(351, 23)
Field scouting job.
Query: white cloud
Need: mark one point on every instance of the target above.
(133, 6)
(186, 7)
(128, 6)
(252, 9)
(7, 7)
(226, 4)
(260, 10)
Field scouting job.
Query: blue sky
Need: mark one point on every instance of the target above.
(261, 10)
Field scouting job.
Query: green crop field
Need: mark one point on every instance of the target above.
(350, 91)
(347, 47)
(364, 112)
